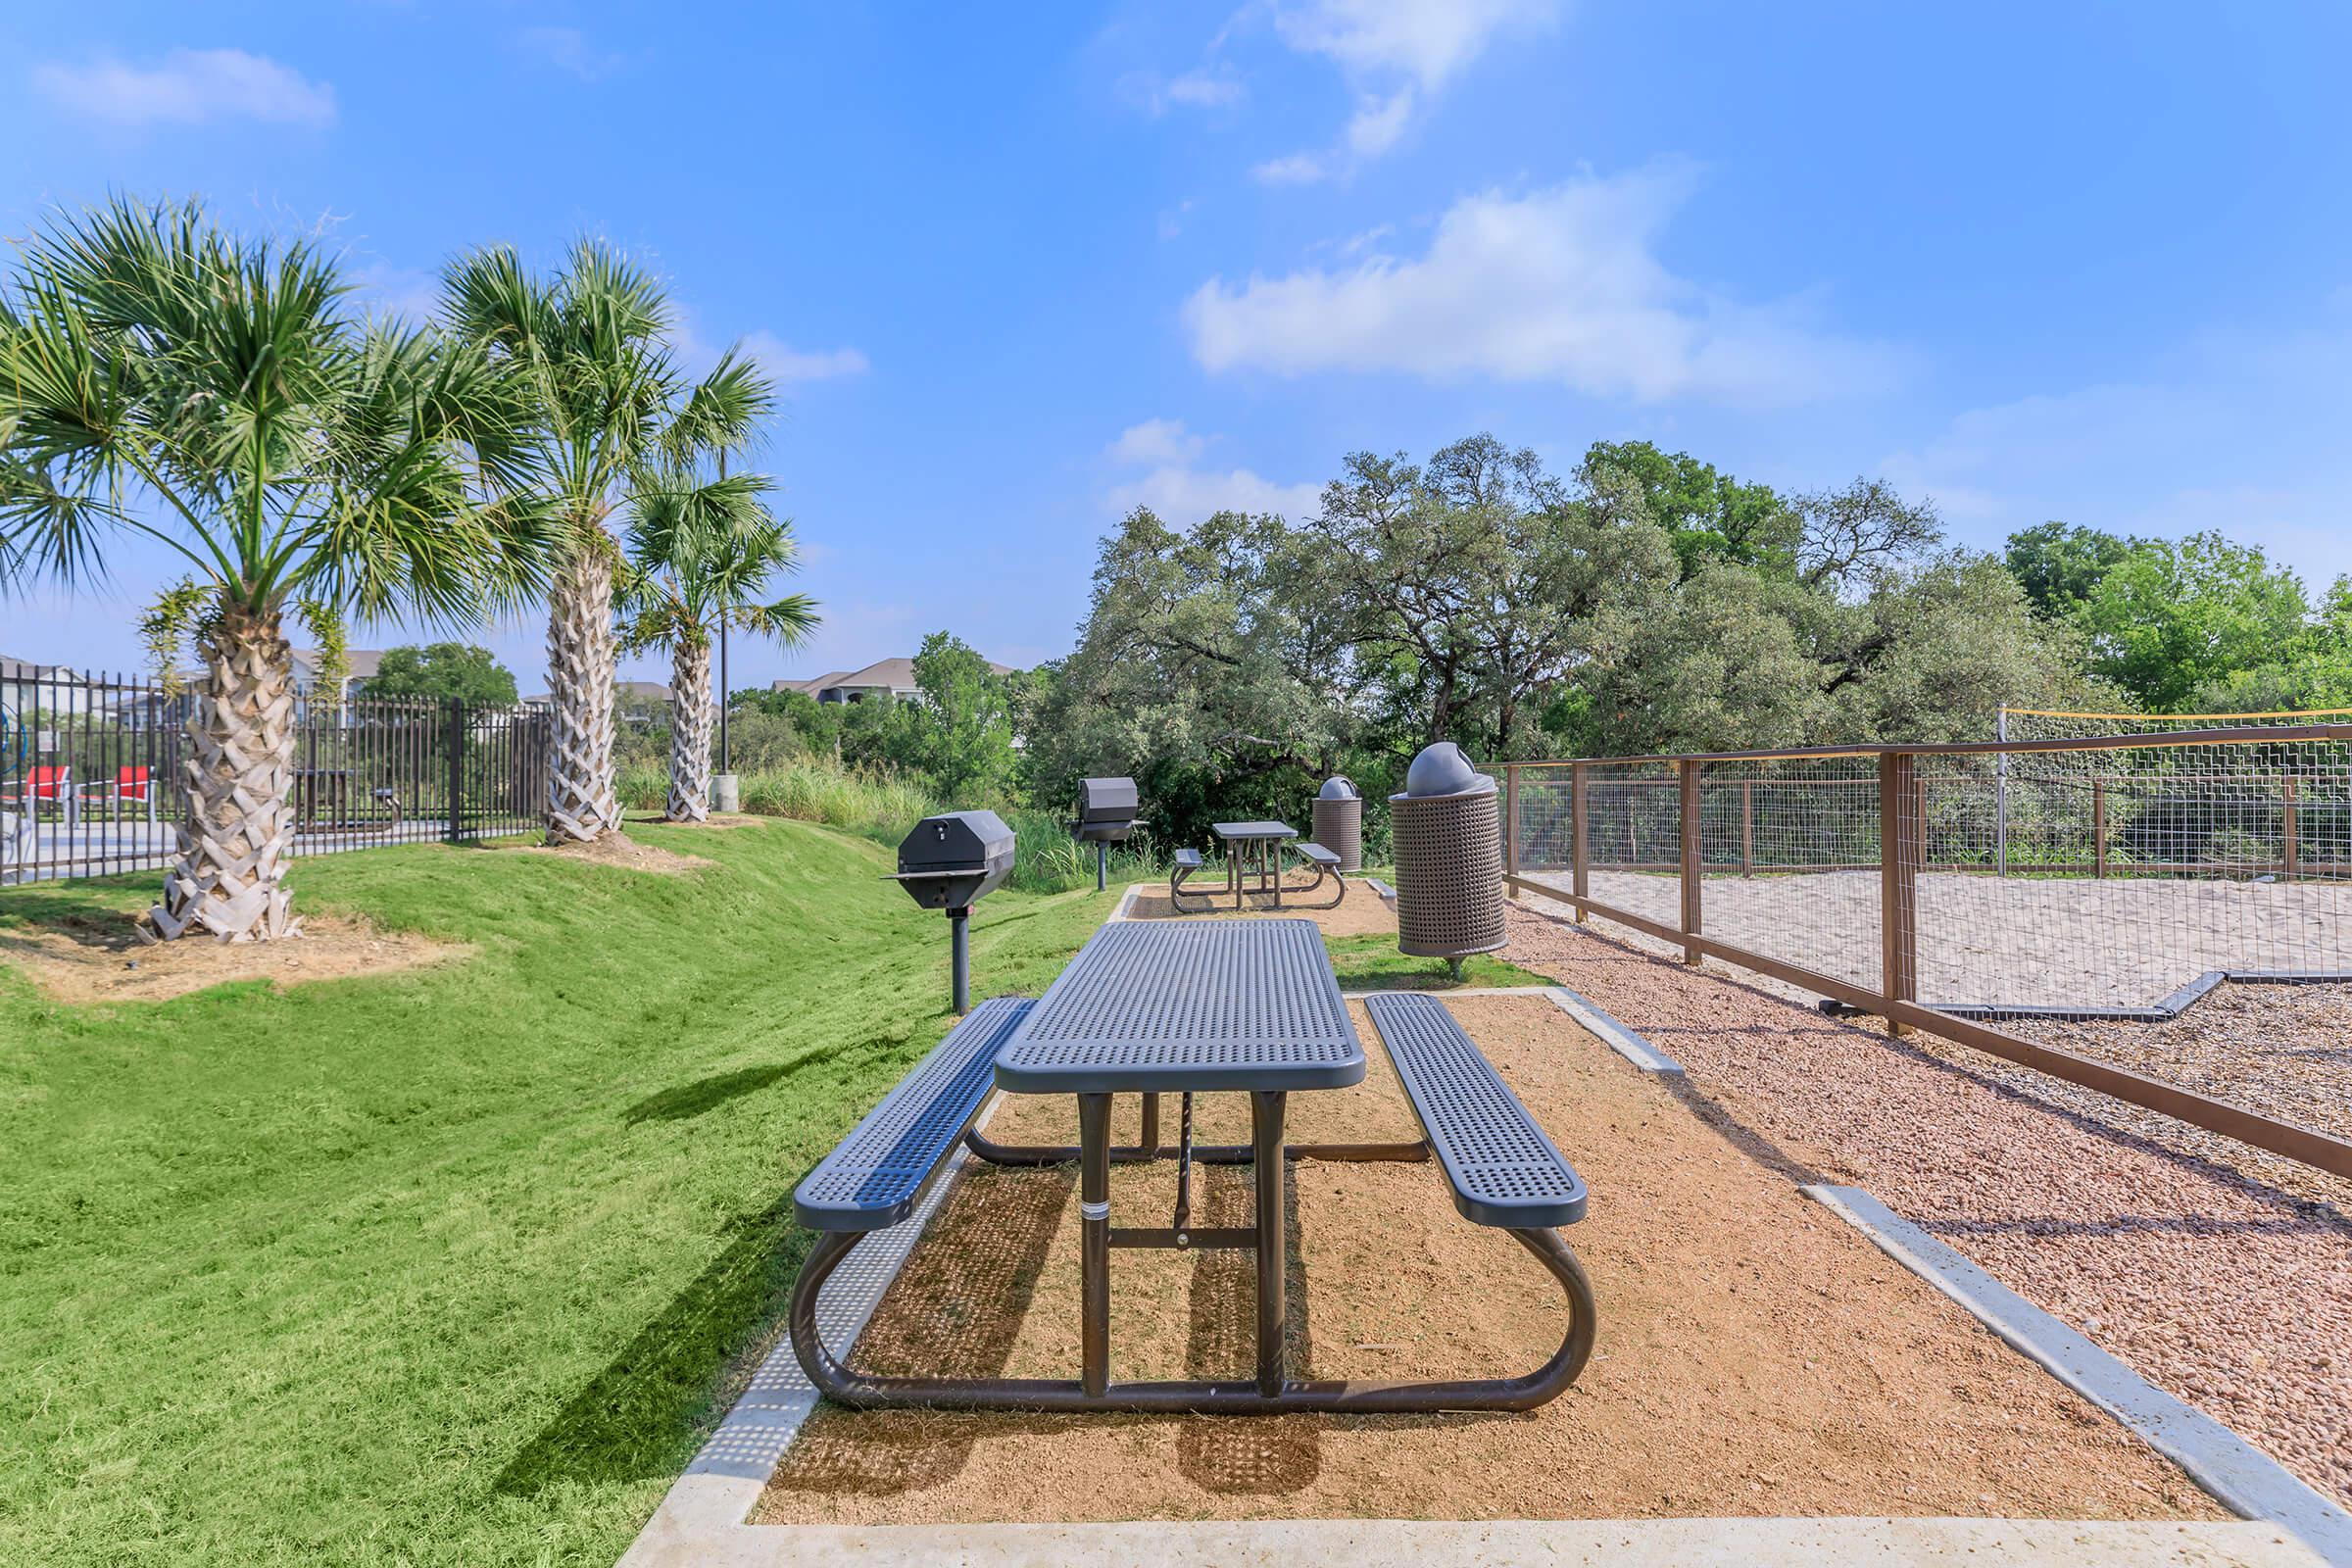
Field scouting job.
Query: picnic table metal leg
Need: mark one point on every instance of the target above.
(1266, 1166)
(1094, 1209)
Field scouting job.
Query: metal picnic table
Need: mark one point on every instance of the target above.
(1224, 1006)
(1192, 1007)
(1253, 844)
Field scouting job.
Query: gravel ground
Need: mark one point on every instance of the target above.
(2220, 1273)
(2026, 942)
(2282, 1050)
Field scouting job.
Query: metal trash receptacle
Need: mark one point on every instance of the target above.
(1339, 818)
(1448, 844)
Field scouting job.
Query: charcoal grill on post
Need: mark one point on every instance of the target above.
(1448, 844)
(950, 861)
(1107, 813)
(1338, 814)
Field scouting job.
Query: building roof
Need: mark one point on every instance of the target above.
(362, 663)
(884, 674)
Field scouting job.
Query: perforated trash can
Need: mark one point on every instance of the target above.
(1339, 823)
(1448, 846)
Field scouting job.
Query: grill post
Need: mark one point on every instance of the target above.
(1101, 865)
(960, 942)
(457, 770)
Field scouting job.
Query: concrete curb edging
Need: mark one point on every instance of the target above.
(1126, 908)
(1508, 1544)
(1616, 1036)
(2246, 1480)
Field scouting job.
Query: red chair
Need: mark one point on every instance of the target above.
(53, 786)
(134, 785)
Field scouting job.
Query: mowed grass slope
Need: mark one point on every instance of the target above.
(443, 1266)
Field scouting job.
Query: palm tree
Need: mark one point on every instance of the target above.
(611, 415)
(701, 553)
(161, 377)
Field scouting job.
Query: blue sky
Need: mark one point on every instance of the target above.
(1024, 267)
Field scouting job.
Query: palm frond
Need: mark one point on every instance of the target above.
(725, 410)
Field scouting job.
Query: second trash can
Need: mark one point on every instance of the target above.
(1339, 816)
(1449, 848)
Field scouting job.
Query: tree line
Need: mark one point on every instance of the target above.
(1645, 603)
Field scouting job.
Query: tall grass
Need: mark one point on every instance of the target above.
(883, 806)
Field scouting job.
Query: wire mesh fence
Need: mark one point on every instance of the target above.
(91, 768)
(2082, 876)
(1957, 887)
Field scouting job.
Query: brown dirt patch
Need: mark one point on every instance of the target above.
(717, 819)
(1756, 1357)
(1361, 913)
(2219, 1272)
(615, 849)
(85, 957)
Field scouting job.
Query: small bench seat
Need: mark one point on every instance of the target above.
(1503, 1169)
(1319, 854)
(882, 1170)
(1188, 859)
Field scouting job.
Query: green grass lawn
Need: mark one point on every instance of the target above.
(448, 1266)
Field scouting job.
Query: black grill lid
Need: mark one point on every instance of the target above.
(957, 841)
(1106, 800)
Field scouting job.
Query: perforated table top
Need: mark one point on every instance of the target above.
(1503, 1168)
(880, 1171)
(1202, 1004)
(1254, 830)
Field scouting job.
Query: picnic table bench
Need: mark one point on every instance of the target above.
(1151, 1007)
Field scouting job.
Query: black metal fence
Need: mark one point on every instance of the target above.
(91, 768)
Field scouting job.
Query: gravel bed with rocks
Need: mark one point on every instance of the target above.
(2219, 1272)
(2282, 1050)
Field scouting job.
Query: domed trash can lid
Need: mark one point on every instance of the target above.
(1336, 787)
(1442, 770)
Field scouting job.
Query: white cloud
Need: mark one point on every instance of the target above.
(1156, 441)
(187, 87)
(1397, 55)
(1297, 168)
(1428, 40)
(1378, 122)
(1560, 284)
(1182, 494)
(789, 364)
(567, 49)
(1207, 87)
(400, 291)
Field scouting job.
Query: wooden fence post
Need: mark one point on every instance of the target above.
(2098, 827)
(1510, 829)
(1693, 861)
(1898, 882)
(2294, 855)
(1748, 828)
(1580, 856)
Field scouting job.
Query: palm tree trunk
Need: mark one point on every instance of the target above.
(584, 802)
(238, 832)
(689, 731)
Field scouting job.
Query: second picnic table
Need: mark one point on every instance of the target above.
(1254, 850)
